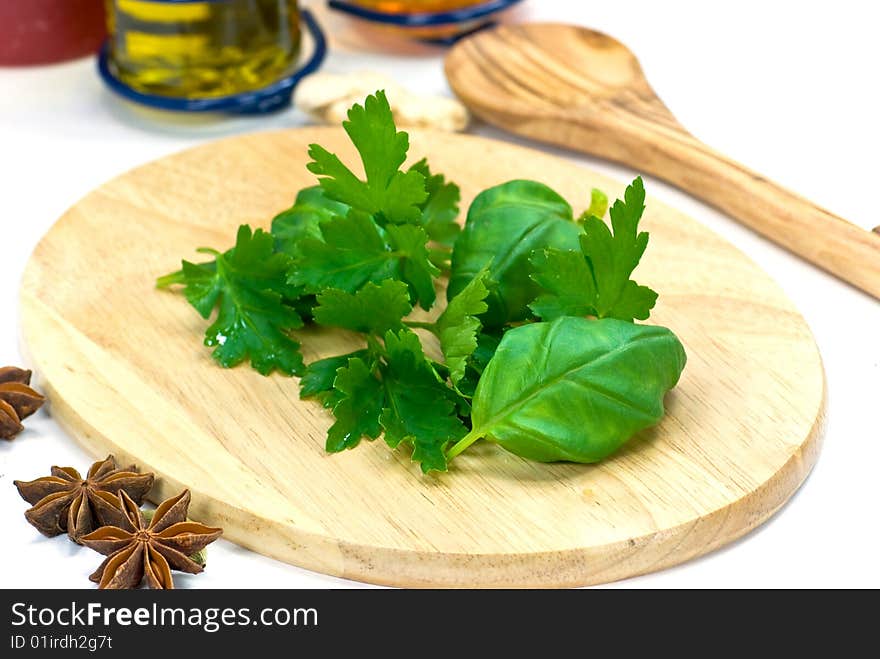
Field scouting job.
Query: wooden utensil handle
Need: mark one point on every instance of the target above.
(824, 239)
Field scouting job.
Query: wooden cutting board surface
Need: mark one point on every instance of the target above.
(126, 374)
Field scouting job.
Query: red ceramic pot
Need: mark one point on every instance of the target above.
(45, 31)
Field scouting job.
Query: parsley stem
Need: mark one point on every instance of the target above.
(464, 443)
(415, 324)
(169, 280)
(375, 347)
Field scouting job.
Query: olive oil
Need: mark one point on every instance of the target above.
(202, 49)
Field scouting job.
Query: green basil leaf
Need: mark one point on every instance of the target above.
(598, 205)
(505, 225)
(574, 389)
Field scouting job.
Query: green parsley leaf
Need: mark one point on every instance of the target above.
(357, 411)
(319, 376)
(392, 195)
(598, 281)
(567, 277)
(419, 409)
(355, 251)
(200, 280)
(248, 283)
(410, 245)
(374, 309)
(303, 219)
(351, 253)
(613, 258)
(458, 326)
(440, 209)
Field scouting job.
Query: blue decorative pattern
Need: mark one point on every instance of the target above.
(274, 97)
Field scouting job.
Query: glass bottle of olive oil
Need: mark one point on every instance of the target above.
(203, 48)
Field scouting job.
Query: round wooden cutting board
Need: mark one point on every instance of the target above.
(126, 374)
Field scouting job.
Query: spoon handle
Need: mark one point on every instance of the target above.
(670, 153)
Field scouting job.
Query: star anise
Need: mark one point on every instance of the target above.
(65, 501)
(136, 549)
(17, 400)
(15, 374)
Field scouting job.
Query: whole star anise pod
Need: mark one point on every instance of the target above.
(135, 549)
(17, 400)
(65, 501)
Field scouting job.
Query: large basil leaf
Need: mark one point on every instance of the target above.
(575, 389)
(505, 225)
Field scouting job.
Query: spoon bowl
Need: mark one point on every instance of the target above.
(581, 89)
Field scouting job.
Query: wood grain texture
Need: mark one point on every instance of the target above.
(125, 373)
(581, 89)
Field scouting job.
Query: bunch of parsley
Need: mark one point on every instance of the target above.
(540, 351)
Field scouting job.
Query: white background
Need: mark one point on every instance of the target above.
(789, 88)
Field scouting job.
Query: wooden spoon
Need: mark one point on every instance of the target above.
(581, 89)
